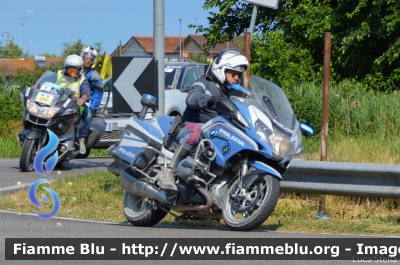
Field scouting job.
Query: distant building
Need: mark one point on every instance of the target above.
(191, 45)
(135, 46)
(10, 66)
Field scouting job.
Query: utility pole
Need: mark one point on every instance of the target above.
(7, 40)
(23, 27)
(159, 52)
(180, 39)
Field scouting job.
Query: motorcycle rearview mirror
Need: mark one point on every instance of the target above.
(147, 101)
(306, 129)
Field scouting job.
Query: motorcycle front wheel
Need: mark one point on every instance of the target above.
(141, 211)
(29, 150)
(247, 209)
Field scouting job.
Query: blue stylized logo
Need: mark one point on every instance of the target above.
(34, 200)
(44, 152)
(226, 148)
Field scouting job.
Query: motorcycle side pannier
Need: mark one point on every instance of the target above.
(134, 137)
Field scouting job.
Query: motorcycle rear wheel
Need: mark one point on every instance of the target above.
(247, 211)
(140, 211)
(29, 149)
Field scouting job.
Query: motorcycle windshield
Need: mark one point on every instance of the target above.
(273, 102)
(47, 76)
(47, 92)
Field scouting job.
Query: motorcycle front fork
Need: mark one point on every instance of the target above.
(245, 168)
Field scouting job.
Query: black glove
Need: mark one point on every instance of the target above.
(213, 100)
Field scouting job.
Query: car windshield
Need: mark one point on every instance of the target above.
(171, 76)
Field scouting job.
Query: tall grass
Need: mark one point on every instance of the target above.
(98, 196)
(352, 111)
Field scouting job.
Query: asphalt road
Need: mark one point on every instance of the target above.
(13, 225)
(11, 176)
(31, 226)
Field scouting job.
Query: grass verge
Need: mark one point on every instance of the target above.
(98, 196)
(9, 148)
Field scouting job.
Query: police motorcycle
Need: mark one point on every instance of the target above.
(51, 114)
(235, 171)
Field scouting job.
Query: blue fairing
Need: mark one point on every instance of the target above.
(266, 168)
(150, 129)
(227, 140)
(246, 114)
(267, 150)
(165, 123)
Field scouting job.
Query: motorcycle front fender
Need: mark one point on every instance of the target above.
(35, 134)
(265, 168)
(261, 169)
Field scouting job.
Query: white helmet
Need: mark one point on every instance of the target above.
(91, 51)
(228, 59)
(73, 60)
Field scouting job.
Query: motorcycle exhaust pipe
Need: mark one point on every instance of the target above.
(129, 182)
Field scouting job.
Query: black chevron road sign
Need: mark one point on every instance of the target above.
(133, 77)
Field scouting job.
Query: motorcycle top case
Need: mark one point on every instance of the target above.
(138, 134)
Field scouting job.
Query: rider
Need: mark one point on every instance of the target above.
(226, 69)
(72, 78)
(89, 56)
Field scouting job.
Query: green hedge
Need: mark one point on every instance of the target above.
(11, 106)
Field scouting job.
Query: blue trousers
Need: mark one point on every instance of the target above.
(87, 119)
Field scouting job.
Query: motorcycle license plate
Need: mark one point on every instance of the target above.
(109, 127)
(44, 98)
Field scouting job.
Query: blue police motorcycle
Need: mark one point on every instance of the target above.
(235, 171)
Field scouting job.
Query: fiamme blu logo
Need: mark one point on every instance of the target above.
(44, 168)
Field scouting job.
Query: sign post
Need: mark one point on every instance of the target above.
(247, 43)
(267, 3)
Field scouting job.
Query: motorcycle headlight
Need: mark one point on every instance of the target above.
(263, 131)
(47, 112)
(279, 142)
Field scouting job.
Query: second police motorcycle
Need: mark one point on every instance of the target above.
(235, 171)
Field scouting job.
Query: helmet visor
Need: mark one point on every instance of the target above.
(238, 68)
(88, 57)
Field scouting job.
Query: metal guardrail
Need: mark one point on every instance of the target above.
(341, 178)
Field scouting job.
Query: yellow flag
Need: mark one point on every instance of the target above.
(106, 70)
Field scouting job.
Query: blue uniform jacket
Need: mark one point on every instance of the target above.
(196, 101)
(85, 88)
(94, 78)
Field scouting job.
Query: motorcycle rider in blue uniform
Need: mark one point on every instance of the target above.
(226, 69)
(89, 56)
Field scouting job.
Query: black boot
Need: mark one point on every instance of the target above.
(167, 180)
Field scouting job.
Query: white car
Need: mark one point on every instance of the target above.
(178, 78)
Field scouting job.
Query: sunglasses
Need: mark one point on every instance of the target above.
(88, 58)
(234, 73)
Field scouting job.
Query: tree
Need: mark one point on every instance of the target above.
(76, 47)
(48, 55)
(365, 41)
(11, 50)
